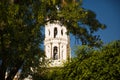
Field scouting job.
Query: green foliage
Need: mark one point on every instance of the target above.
(79, 21)
(20, 38)
(101, 64)
(54, 74)
(51, 73)
(89, 64)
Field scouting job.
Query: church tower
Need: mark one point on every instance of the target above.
(57, 43)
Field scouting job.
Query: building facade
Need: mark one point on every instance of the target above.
(57, 43)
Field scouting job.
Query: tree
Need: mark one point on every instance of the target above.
(79, 21)
(20, 38)
(21, 35)
(94, 64)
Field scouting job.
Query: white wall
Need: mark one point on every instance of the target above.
(60, 42)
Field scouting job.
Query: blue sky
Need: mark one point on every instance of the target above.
(108, 13)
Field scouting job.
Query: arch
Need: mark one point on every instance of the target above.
(55, 32)
(49, 32)
(62, 32)
(55, 53)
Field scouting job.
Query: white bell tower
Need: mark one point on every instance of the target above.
(57, 43)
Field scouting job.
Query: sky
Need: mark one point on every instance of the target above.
(108, 13)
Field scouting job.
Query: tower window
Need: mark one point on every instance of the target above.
(49, 32)
(55, 32)
(55, 53)
(62, 32)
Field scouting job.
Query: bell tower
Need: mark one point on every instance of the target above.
(57, 43)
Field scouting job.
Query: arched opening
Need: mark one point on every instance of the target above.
(55, 32)
(62, 32)
(55, 53)
(49, 32)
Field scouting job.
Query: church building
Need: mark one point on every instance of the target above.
(57, 44)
